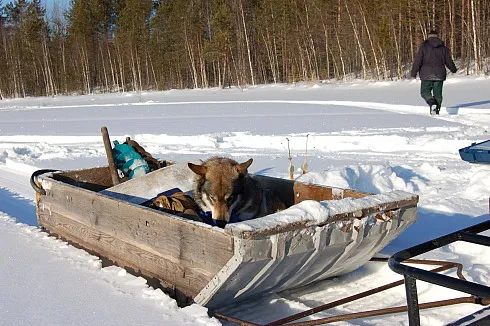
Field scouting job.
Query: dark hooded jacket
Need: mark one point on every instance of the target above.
(432, 59)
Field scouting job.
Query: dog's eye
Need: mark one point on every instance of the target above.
(230, 199)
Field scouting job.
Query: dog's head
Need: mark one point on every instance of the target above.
(218, 186)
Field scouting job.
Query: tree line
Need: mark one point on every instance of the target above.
(134, 45)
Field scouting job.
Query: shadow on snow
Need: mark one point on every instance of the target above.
(430, 225)
(20, 208)
(455, 108)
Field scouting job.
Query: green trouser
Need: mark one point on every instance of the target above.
(431, 90)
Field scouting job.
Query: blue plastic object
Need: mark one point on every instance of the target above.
(129, 161)
(476, 153)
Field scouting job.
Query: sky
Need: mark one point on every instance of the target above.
(49, 4)
(369, 136)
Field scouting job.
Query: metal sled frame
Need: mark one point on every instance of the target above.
(411, 274)
(442, 266)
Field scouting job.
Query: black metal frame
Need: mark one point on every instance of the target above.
(411, 274)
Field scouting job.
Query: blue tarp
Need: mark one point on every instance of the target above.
(476, 153)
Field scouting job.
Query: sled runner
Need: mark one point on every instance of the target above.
(324, 232)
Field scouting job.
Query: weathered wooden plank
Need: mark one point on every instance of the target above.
(94, 179)
(142, 189)
(311, 192)
(184, 242)
(110, 157)
(151, 264)
(349, 193)
(292, 192)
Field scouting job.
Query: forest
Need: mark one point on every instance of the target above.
(101, 46)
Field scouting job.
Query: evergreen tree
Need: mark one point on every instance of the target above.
(132, 37)
(123, 45)
(89, 22)
(25, 41)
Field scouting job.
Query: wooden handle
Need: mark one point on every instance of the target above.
(110, 158)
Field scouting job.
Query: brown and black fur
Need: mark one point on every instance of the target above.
(222, 185)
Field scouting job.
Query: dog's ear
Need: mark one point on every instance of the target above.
(198, 169)
(242, 167)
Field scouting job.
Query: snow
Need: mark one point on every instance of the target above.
(311, 213)
(368, 136)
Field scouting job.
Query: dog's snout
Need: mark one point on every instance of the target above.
(221, 211)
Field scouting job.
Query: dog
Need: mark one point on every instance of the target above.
(224, 187)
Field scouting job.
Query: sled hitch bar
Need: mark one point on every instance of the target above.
(443, 266)
(33, 180)
(411, 274)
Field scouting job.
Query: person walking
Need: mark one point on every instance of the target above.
(430, 63)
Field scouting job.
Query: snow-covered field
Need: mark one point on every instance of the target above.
(373, 137)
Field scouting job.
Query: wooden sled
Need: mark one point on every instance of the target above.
(324, 232)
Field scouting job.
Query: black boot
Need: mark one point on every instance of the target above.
(432, 106)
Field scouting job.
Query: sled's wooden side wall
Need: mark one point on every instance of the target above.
(95, 179)
(292, 193)
(149, 241)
